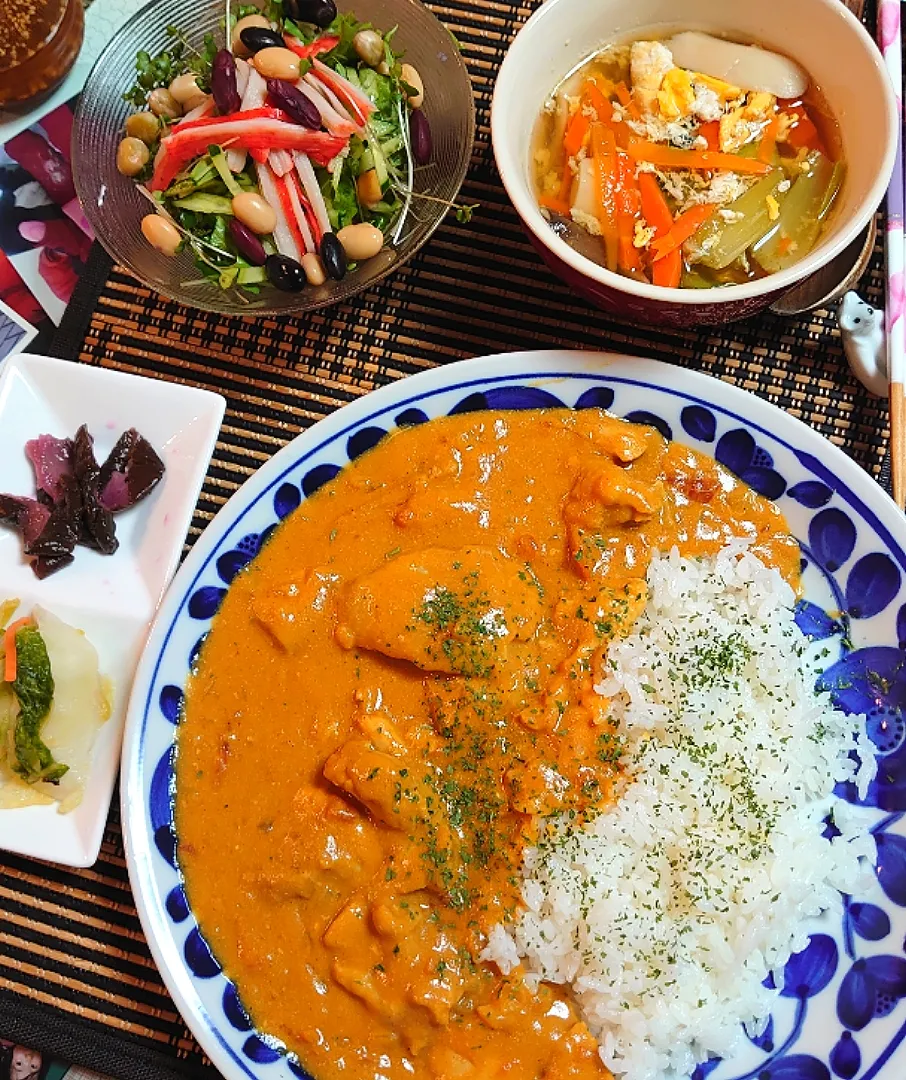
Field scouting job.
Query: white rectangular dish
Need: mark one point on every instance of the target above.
(111, 598)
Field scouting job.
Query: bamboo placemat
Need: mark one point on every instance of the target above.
(76, 977)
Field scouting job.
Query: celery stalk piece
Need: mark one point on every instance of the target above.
(202, 203)
(801, 212)
(718, 243)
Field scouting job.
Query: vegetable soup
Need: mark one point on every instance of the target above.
(689, 162)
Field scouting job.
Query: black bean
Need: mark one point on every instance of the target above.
(294, 103)
(223, 83)
(247, 244)
(333, 256)
(420, 137)
(320, 12)
(285, 273)
(256, 38)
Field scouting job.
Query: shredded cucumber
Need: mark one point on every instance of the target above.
(202, 203)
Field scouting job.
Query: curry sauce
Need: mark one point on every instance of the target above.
(393, 696)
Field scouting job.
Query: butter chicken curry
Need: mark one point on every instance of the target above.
(393, 696)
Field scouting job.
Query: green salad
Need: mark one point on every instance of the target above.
(284, 158)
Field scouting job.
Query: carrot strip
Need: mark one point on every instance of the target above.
(604, 149)
(554, 203)
(576, 130)
(667, 271)
(9, 648)
(654, 206)
(685, 225)
(625, 99)
(592, 93)
(769, 140)
(669, 157)
(803, 134)
(711, 132)
(603, 106)
(629, 208)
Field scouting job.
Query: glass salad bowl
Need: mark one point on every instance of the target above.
(115, 206)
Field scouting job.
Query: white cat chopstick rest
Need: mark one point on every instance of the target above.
(862, 332)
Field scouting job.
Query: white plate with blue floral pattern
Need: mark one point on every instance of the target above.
(842, 1012)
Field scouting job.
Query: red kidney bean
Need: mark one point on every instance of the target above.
(223, 83)
(420, 137)
(294, 103)
(247, 244)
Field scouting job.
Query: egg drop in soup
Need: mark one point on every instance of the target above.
(692, 162)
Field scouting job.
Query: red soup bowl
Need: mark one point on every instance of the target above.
(821, 35)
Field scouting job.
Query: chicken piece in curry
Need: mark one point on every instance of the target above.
(392, 698)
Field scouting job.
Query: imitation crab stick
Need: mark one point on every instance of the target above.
(242, 133)
(685, 225)
(9, 648)
(669, 157)
(668, 270)
(361, 106)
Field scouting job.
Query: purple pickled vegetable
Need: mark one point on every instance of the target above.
(76, 498)
(247, 244)
(131, 472)
(52, 460)
(223, 83)
(98, 530)
(27, 516)
(63, 527)
(294, 103)
(44, 567)
(420, 137)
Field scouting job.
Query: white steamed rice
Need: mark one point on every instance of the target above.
(665, 913)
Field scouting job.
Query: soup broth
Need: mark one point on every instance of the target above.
(678, 177)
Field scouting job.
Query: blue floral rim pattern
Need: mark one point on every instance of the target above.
(851, 980)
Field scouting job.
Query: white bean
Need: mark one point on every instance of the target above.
(361, 241)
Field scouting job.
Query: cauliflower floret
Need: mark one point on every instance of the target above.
(676, 96)
(649, 62)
